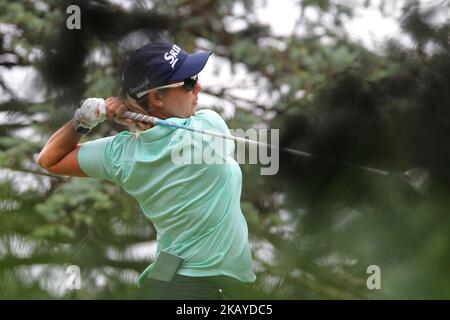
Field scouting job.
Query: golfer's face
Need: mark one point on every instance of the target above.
(181, 103)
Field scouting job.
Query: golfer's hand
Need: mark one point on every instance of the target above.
(116, 109)
(91, 112)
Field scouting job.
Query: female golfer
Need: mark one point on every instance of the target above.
(203, 249)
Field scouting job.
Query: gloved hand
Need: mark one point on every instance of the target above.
(91, 112)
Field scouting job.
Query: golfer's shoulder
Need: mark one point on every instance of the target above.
(208, 114)
(211, 119)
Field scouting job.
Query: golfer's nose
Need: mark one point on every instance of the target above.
(197, 87)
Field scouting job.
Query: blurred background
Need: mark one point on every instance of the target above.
(363, 81)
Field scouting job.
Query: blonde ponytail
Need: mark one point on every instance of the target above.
(136, 127)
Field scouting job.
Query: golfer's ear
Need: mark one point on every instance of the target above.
(155, 99)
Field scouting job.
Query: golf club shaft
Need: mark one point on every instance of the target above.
(156, 121)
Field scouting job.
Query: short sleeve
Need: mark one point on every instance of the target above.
(94, 158)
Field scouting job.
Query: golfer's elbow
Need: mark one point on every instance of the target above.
(44, 161)
(47, 158)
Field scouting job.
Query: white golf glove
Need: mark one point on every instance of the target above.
(91, 112)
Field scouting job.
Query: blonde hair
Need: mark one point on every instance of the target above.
(138, 106)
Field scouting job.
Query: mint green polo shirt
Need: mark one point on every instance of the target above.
(194, 205)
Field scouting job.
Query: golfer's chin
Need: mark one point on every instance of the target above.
(194, 109)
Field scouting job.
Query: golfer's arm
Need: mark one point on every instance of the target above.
(60, 154)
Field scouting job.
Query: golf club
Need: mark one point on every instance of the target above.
(417, 178)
